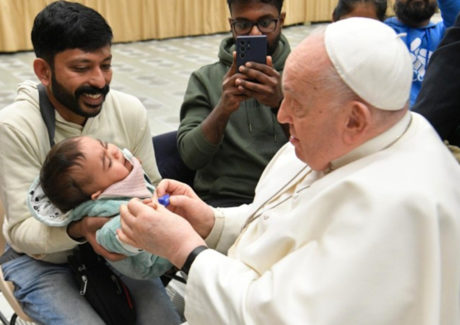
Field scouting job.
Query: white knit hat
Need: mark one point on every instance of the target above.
(372, 60)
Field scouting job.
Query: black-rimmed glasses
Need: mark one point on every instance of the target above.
(244, 26)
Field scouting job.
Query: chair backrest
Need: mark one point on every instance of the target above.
(169, 161)
(7, 287)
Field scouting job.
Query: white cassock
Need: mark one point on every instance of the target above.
(372, 241)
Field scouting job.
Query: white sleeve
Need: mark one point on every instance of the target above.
(360, 264)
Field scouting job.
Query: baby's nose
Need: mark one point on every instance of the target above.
(115, 152)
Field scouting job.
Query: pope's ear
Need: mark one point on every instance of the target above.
(358, 120)
(43, 71)
(95, 195)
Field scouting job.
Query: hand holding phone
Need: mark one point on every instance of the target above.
(251, 48)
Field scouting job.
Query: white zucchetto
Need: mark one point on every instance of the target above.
(372, 60)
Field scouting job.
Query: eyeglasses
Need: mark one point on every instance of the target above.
(244, 26)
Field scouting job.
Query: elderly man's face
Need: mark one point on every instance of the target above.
(309, 108)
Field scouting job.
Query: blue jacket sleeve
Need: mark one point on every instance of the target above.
(449, 11)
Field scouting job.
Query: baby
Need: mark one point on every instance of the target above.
(82, 176)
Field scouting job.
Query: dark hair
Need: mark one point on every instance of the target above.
(66, 25)
(56, 179)
(276, 3)
(344, 7)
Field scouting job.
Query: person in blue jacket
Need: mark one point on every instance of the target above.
(413, 18)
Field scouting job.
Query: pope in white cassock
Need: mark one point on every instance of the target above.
(355, 221)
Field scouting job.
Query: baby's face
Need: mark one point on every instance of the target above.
(104, 165)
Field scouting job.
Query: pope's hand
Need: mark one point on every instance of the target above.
(184, 202)
(158, 231)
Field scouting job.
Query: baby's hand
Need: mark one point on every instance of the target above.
(149, 202)
(163, 200)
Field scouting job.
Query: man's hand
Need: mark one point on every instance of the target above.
(158, 230)
(262, 82)
(86, 228)
(232, 96)
(214, 125)
(184, 202)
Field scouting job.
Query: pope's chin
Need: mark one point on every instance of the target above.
(298, 151)
(314, 164)
(296, 143)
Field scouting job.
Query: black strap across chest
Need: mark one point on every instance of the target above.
(48, 114)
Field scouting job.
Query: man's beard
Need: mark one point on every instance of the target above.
(70, 100)
(412, 14)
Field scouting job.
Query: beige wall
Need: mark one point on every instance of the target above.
(135, 20)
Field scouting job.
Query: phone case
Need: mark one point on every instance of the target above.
(251, 48)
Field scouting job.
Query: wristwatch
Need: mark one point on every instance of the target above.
(191, 258)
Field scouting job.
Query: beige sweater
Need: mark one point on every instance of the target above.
(23, 147)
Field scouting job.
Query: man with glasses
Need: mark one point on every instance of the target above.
(228, 130)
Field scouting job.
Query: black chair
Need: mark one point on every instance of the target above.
(169, 162)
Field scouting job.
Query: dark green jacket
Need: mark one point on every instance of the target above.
(231, 169)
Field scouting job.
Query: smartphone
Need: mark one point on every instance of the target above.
(251, 48)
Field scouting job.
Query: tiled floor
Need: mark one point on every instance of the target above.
(155, 71)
